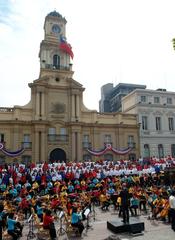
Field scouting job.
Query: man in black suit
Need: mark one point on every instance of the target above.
(125, 202)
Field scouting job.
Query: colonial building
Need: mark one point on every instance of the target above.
(55, 125)
(111, 97)
(156, 116)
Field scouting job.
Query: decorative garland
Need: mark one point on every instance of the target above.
(108, 147)
(11, 154)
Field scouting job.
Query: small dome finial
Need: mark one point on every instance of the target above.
(54, 14)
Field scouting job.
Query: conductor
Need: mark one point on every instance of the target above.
(124, 195)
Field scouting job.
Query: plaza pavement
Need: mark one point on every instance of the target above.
(154, 230)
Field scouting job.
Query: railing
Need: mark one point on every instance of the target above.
(51, 66)
(86, 144)
(27, 145)
(4, 109)
(106, 143)
(131, 144)
(146, 132)
(57, 138)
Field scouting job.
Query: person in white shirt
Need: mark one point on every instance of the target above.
(172, 209)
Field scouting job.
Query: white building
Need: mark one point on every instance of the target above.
(156, 116)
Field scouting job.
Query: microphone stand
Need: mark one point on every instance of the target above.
(61, 231)
(31, 233)
(93, 210)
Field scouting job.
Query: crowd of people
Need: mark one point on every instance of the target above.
(132, 187)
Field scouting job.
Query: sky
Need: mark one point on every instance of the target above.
(114, 41)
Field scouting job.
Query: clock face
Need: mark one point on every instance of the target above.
(56, 28)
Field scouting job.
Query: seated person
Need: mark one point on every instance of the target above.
(39, 210)
(164, 213)
(3, 216)
(56, 204)
(14, 228)
(159, 206)
(105, 201)
(134, 205)
(76, 220)
(48, 223)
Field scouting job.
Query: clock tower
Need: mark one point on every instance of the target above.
(55, 52)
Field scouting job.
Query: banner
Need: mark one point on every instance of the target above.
(108, 147)
(11, 154)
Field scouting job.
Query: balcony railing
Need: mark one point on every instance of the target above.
(132, 144)
(146, 132)
(27, 145)
(87, 144)
(51, 66)
(107, 142)
(5, 109)
(57, 138)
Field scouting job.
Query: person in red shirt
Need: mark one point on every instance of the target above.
(25, 206)
(48, 223)
(55, 203)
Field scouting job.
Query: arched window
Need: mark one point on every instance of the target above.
(160, 151)
(56, 61)
(146, 151)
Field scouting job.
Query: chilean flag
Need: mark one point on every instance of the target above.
(66, 47)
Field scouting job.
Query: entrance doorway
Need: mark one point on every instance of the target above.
(57, 155)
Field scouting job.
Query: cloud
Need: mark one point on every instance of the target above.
(113, 41)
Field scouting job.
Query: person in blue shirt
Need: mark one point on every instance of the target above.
(39, 210)
(14, 228)
(3, 216)
(134, 205)
(70, 187)
(76, 220)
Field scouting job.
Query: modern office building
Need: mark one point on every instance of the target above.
(111, 96)
(156, 117)
(55, 125)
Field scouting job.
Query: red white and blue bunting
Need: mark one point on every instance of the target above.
(11, 154)
(108, 147)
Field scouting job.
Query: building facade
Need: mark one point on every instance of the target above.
(55, 125)
(156, 117)
(111, 96)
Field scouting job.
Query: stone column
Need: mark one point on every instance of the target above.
(36, 146)
(16, 135)
(73, 106)
(37, 104)
(78, 106)
(73, 147)
(42, 105)
(79, 147)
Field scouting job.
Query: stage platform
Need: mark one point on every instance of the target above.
(134, 226)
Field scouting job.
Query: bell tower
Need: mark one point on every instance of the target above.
(55, 53)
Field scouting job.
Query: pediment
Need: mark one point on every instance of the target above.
(170, 114)
(74, 84)
(54, 82)
(43, 80)
(158, 113)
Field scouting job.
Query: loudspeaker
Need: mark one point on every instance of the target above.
(136, 228)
